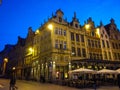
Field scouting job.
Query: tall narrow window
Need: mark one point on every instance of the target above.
(59, 31)
(119, 56)
(61, 44)
(107, 44)
(92, 43)
(99, 44)
(90, 55)
(64, 32)
(78, 51)
(72, 36)
(101, 57)
(115, 55)
(89, 43)
(113, 45)
(83, 52)
(116, 46)
(60, 19)
(109, 55)
(56, 43)
(77, 38)
(92, 33)
(65, 45)
(56, 30)
(82, 38)
(96, 44)
(73, 51)
(103, 43)
(105, 54)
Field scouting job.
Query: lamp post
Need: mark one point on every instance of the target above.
(4, 65)
(50, 27)
(87, 26)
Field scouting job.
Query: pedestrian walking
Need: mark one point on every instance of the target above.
(12, 80)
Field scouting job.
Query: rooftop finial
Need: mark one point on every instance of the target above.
(101, 24)
(74, 14)
(112, 21)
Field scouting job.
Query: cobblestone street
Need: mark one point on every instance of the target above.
(29, 85)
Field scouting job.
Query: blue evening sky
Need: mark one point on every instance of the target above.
(17, 15)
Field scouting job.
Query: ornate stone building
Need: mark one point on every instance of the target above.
(59, 46)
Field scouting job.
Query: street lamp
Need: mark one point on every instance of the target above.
(50, 26)
(37, 32)
(87, 26)
(4, 65)
(31, 50)
(13, 68)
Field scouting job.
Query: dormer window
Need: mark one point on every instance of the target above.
(76, 25)
(60, 19)
(93, 34)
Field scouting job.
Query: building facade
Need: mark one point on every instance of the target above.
(59, 46)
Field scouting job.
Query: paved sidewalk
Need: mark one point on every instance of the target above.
(30, 85)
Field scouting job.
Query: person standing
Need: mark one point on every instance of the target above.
(118, 80)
